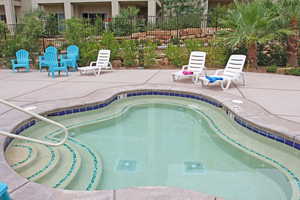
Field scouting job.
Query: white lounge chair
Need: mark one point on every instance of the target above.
(193, 69)
(232, 72)
(102, 64)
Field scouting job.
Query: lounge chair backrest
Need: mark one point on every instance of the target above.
(197, 61)
(51, 59)
(234, 65)
(51, 49)
(103, 58)
(22, 56)
(73, 50)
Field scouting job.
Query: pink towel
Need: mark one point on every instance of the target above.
(187, 73)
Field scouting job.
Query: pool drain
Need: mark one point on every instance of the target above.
(127, 165)
(193, 167)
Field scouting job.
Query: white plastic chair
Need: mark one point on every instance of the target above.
(196, 66)
(102, 64)
(232, 72)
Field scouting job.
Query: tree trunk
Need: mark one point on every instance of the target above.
(292, 44)
(252, 55)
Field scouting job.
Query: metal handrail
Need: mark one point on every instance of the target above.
(38, 117)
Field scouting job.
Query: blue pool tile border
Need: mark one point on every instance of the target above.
(128, 94)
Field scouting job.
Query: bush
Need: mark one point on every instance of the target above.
(149, 53)
(26, 37)
(88, 52)
(108, 41)
(295, 71)
(129, 52)
(272, 69)
(194, 45)
(177, 55)
(273, 53)
(78, 31)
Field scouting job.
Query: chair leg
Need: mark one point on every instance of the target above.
(227, 85)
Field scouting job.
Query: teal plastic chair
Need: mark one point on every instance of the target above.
(21, 61)
(43, 61)
(53, 64)
(70, 59)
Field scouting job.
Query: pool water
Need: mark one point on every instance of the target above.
(167, 142)
(164, 145)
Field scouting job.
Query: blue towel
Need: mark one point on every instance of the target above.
(213, 79)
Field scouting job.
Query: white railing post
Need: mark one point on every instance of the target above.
(38, 117)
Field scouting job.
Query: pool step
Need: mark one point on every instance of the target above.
(65, 170)
(46, 160)
(21, 155)
(88, 177)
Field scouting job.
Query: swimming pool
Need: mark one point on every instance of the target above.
(160, 141)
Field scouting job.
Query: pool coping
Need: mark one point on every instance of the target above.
(250, 116)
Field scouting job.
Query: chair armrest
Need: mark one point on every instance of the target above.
(218, 71)
(13, 61)
(184, 67)
(93, 63)
(41, 58)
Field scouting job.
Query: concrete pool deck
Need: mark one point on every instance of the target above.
(270, 100)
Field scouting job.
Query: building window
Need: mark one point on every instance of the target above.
(92, 17)
(3, 18)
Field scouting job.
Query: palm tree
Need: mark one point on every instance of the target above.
(288, 12)
(249, 24)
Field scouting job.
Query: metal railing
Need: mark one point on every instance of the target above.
(38, 117)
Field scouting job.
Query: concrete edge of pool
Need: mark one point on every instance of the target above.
(249, 112)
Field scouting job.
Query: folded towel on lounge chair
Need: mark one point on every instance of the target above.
(213, 79)
(187, 72)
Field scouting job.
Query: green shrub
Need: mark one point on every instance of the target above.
(88, 52)
(272, 69)
(26, 37)
(295, 71)
(77, 31)
(108, 41)
(126, 22)
(194, 45)
(129, 52)
(177, 55)
(273, 53)
(149, 53)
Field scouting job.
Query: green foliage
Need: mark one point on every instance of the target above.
(108, 41)
(129, 52)
(273, 53)
(248, 23)
(181, 7)
(215, 14)
(194, 45)
(272, 69)
(149, 53)
(51, 25)
(77, 31)
(295, 71)
(177, 55)
(27, 36)
(126, 22)
(129, 12)
(88, 53)
(216, 55)
(3, 31)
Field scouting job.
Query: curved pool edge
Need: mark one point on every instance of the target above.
(251, 116)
